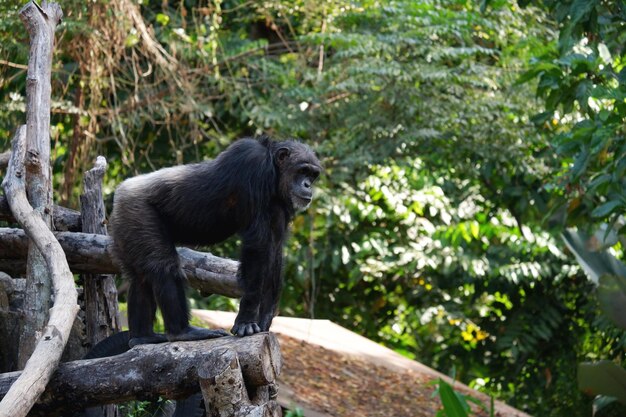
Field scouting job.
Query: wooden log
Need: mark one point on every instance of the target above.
(85, 252)
(224, 390)
(149, 371)
(222, 385)
(63, 219)
(90, 253)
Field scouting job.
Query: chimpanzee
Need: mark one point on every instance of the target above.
(253, 188)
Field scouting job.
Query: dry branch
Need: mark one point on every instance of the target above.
(149, 371)
(90, 253)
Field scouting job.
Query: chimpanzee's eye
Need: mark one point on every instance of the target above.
(309, 173)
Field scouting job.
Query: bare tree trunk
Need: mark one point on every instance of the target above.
(41, 23)
(100, 292)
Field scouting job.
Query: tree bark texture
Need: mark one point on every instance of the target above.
(11, 306)
(148, 371)
(90, 253)
(4, 159)
(41, 23)
(100, 291)
(49, 347)
(224, 389)
(101, 310)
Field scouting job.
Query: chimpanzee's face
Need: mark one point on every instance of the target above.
(302, 185)
(299, 168)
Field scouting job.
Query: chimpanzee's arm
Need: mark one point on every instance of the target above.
(260, 275)
(254, 267)
(271, 291)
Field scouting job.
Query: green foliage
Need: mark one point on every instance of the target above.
(144, 408)
(582, 79)
(297, 412)
(454, 403)
(604, 379)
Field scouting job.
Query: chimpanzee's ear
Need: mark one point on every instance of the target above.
(282, 154)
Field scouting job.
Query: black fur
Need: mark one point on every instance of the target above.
(253, 188)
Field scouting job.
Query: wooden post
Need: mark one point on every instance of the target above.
(101, 310)
(224, 390)
(100, 292)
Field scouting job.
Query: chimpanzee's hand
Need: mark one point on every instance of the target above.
(245, 329)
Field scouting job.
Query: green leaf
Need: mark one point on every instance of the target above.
(131, 40)
(602, 378)
(606, 208)
(163, 19)
(477, 402)
(540, 118)
(475, 229)
(452, 405)
(601, 402)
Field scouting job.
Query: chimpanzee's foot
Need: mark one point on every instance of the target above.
(196, 333)
(147, 340)
(245, 329)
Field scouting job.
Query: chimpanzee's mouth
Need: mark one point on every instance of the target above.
(302, 202)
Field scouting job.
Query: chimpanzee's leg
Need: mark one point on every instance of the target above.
(272, 288)
(141, 313)
(260, 274)
(169, 290)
